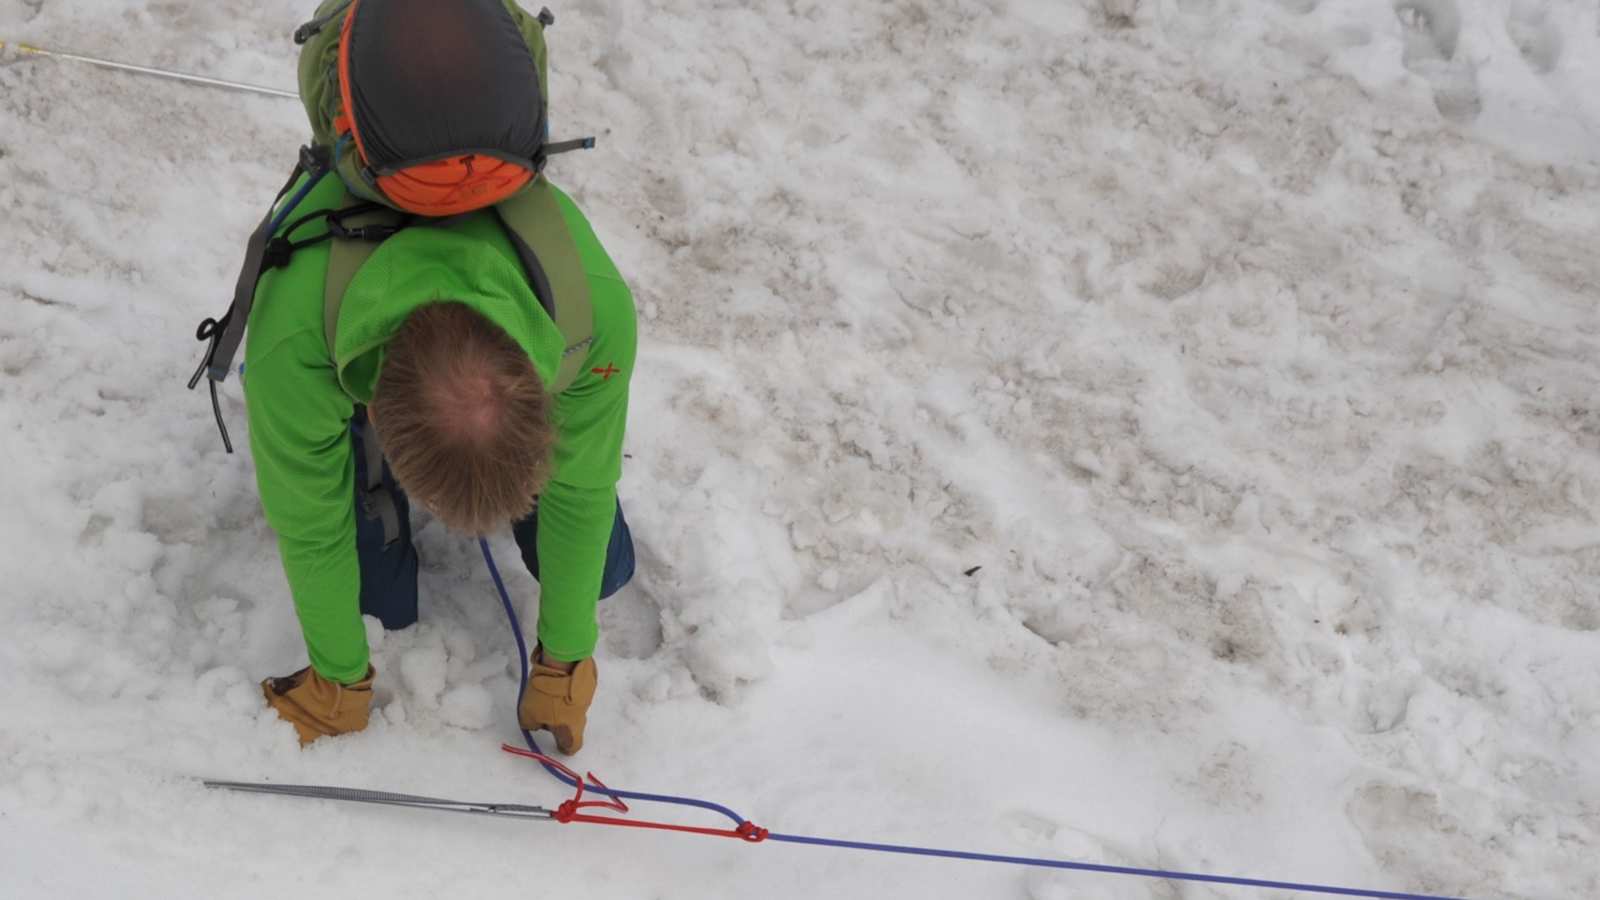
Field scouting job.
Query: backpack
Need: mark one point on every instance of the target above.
(410, 145)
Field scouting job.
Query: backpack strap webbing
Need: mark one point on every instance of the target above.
(226, 334)
(223, 336)
(533, 219)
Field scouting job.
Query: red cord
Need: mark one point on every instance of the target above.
(568, 812)
(748, 832)
(577, 802)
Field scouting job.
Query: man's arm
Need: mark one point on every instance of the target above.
(299, 435)
(578, 505)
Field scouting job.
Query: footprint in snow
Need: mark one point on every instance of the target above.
(1535, 36)
(630, 622)
(630, 619)
(1432, 32)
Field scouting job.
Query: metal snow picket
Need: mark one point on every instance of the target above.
(384, 798)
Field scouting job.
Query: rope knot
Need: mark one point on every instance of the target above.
(752, 833)
(566, 812)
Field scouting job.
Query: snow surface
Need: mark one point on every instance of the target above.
(1248, 346)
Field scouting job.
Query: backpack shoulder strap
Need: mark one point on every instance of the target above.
(534, 224)
(533, 221)
(355, 237)
(355, 231)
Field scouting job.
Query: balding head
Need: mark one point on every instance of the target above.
(463, 418)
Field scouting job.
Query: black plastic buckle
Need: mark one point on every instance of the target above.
(314, 27)
(277, 255)
(314, 159)
(375, 233)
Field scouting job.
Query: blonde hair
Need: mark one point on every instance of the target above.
(463, 418)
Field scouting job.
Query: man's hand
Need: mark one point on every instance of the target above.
(318, 707)
(557, 698)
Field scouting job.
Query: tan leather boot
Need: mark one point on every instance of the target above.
(317, 707)
(559, 701)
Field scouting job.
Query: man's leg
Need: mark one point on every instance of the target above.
(388, 567)
(619, 550)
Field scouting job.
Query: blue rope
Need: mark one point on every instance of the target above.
(522, 652)
(1092, 867)
(522, 649)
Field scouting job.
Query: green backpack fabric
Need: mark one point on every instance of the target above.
(319, 81)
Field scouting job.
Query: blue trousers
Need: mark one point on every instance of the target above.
(389, 569)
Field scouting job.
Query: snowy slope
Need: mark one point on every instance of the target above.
(1248, 346)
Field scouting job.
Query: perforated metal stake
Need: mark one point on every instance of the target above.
(384, 798)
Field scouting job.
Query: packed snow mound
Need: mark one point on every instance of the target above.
(1151, 432)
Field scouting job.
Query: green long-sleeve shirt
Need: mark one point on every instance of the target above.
(300, 404)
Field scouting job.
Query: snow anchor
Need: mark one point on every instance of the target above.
(384, 798)
(567, 812)
(747, 831)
